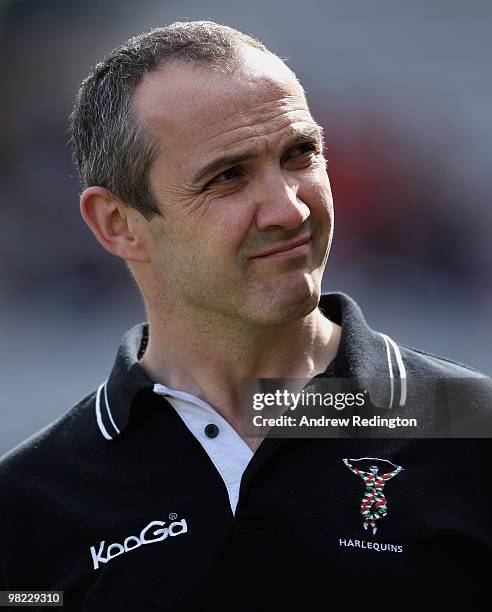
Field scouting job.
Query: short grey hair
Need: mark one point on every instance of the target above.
(111, 149)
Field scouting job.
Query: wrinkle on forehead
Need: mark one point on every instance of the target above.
(249, 124)
(256, 110)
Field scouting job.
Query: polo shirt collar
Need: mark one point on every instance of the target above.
(363, 354)
(361, 349)
(115, 397)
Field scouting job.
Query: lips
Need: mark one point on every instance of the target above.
(288, 246)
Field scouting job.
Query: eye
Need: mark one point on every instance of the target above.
(306, 148)
(226, 176)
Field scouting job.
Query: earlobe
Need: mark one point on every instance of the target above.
(109, 221)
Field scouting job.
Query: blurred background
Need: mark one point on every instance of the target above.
(404, 92)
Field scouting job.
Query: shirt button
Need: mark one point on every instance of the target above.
(211, 430)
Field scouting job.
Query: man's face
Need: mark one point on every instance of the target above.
(241, 182)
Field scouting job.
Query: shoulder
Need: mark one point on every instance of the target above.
(427, 365)
(367, 353)
(47, 454)
(455, 396)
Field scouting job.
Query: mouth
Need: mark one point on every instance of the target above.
(296, 247)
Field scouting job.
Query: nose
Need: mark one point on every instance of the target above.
(278, 204)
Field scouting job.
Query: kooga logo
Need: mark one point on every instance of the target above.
(155, 531)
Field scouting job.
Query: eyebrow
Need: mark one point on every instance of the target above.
(302, 135)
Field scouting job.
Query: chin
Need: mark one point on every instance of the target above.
(280, 305)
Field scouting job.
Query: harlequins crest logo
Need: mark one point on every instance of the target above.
(373, 506)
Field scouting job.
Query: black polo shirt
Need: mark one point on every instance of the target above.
(119, 505)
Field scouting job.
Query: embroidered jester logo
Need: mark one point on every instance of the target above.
(373, 506)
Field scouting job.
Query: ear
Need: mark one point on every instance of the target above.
(115, 225)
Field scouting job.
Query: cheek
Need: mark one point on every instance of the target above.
(315, 191)
(228, 223)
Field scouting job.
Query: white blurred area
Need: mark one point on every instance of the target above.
(404, 93)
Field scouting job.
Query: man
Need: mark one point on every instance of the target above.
(202, 168)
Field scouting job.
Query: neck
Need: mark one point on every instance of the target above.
(211, 359)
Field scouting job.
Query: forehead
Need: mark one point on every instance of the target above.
(194, 111)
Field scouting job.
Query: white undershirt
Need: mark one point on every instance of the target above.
(228, 451)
